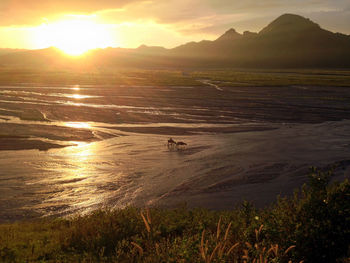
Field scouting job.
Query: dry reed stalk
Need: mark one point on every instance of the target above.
(138, 247)
(220, 247)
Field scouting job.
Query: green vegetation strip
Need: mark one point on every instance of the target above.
(311, 226)
(242, 78)
(130, 77)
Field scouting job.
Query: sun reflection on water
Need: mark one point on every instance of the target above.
(76, 179)
(78, 143)
(84, 154)
(78, 96)
(76, 87)
(78, 125)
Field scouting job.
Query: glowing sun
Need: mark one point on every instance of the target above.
(74, 37)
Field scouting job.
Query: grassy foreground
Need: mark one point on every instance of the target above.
(311, 226)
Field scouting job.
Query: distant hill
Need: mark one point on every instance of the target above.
(4, 51)
(288, 41)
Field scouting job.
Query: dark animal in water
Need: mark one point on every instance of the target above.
(171, 143)
(180, 145)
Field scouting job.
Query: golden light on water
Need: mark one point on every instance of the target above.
(78, 96)
(75, 36)
(78, 125)
(78, 143)
(76, 87)
(84, 153)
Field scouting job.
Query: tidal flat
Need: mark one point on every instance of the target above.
(73, 143)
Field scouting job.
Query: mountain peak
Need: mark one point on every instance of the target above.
(231, 31)
(230, 35)
(150, 49)
(289, 23)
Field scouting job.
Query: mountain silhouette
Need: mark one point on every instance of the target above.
(229, 35)
(290, 24)
(288, 41)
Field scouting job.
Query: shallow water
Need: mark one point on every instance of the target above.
(118, 154)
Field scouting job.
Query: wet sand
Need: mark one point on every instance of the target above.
(178, 131)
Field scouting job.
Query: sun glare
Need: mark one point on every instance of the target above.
(74, 37)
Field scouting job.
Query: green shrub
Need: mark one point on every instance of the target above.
(316, 220)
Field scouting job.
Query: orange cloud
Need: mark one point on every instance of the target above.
(28, 12)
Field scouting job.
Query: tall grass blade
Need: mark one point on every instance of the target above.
(218, 230)
(146, 223)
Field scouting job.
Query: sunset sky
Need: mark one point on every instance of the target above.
(37, 24)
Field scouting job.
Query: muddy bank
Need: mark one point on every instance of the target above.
(43, 137)
(173, 131)
(7, 144)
